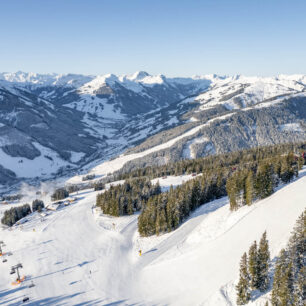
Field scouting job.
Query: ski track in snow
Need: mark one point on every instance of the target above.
(77, 256)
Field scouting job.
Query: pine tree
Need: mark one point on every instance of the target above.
(287, 171)
(253, 265)
(299, 293)
(130, 209)
(282, 291)
(297, 243)
(242, 288)
(264, 181)
(263, 263)
(249, 188)
(195, 194)
(231, 189)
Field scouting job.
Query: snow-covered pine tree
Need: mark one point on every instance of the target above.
(297, 243)
(263, 263)
(253, 265)
(243, 286)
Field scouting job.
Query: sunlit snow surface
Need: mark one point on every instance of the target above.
(77, 255)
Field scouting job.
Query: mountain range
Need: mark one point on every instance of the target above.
(54, 125)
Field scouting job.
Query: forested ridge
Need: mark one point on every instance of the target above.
(288, 273)
(198, 165)
(126, 198)
(245, 176)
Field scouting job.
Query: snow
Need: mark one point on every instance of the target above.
(173, 120)
(293, 127)
(71, 80)
(117, 163)
(204, 260)
(193, 119)
(78, 256)
(253, 90)
(93, 105)
(76, 156)
(40, 125)
(189, 152)
(172, 180)
(137, 76)
(39, 166)
(90, 84)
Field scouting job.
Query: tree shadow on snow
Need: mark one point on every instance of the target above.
(7, 299)
(5, 295)
(75, 282)
(45, 242)
(257, 294)
(61, 300)
(152, 250)
(120, 302)
(65, 269)
(58, 262)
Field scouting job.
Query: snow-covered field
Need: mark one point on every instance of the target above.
(77, 256)
(45, 164)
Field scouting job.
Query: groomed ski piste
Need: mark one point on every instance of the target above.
(78, 256)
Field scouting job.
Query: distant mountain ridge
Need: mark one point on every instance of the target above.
(53, 124)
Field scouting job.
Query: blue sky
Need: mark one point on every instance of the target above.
(251, 37)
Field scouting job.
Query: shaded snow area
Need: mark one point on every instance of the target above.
(117, 163)
(77, 255)
(44, 165)
(93, 105)
(293, 127)
(189, 147)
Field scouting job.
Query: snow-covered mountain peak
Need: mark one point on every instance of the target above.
(211, 77)
(26, 77)
(138, 75)
(99, 81)
(52, 79)
(239, 91)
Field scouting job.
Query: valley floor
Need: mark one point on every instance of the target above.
(78, 257)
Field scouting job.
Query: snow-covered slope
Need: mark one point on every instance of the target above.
(81, 119)
(233, 113)
(78, 256)
(85, 120)
(35, 79)
(239, 91)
